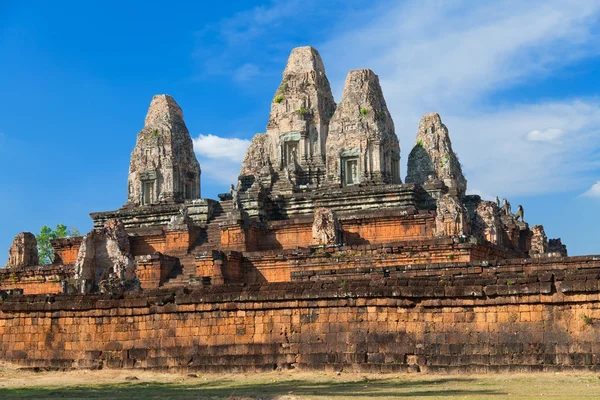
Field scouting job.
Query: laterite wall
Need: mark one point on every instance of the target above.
(496, 318)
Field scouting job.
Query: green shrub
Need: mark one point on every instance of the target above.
(420, 143)
(586, 320)
(278, 99)
(364, 111)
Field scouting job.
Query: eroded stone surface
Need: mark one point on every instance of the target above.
(163, 167)
(539, 242)
(325, 229)
(486, 222)
(557, 248)
(23, 251)
(451, 217)
(432, 158)
(298, 123)
(362, 145)
(104, 254)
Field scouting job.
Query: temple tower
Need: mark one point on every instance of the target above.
(294, 143)
(163, 167)
(362, 146)
(432, 158)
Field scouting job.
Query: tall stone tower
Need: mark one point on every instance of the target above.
(432, 158)
(362, 146)
(302, 106)
(163, 167)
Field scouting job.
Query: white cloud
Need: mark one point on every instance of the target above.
(594, 191)
(498, 159)
(220, 158)
(547, 135)
(211, 146)
(450, 57)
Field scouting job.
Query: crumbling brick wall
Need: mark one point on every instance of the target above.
(504, 318)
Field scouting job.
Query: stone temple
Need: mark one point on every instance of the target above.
(319, 257)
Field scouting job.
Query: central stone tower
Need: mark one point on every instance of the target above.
(294, 143)
(163, 167)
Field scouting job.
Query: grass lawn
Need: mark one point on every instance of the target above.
(118, 384)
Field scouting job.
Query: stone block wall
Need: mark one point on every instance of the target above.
(357, 261)
(35, 280)
(357, 229)
(152, 270)
(66, 249)
(510, 321)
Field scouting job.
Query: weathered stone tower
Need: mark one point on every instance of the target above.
(362, 146)
(432, 158)
(163, 167)
(23, 252)
(302, 106)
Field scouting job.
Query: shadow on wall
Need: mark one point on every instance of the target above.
(420, 165)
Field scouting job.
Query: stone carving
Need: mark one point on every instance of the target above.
(362, 145)
(299, 120)
(539, 242)
(235, 201)
(102, 253)
(506, 209)
(433, 155)
(23, 251)
(325, 229)
(450, 217)
(486, 223)
(497, 201)
(163, 167)
(520, 215)
(181, 221)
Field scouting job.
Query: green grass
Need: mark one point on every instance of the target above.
(321, 386)
(278, 99)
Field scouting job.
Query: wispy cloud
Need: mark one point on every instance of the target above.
(594, 191)
(230, 46)
(452, 57)
(546, 135)
(246, 72)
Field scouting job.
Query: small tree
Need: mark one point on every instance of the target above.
(45, 251)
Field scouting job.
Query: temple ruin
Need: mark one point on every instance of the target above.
(318, 257)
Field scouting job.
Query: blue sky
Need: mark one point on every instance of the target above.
(517, 83)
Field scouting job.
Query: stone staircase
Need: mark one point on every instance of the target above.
(181, 273)
(208, 239)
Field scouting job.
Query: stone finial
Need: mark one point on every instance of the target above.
(163, 108)
(433, 155)
(304, 60)
(163, 167)
(299, 120)
(325, 229)
(362, 138)
(23, 252)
